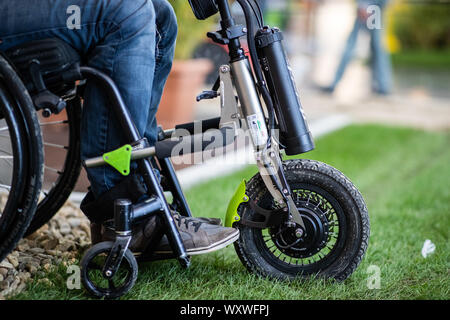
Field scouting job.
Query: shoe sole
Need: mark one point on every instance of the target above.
(213, 247)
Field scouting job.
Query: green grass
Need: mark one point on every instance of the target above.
(403, 175)
(422, 59)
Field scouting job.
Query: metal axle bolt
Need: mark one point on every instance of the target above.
(299, 233)
(224, 69)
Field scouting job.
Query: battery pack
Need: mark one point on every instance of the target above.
(294, 132)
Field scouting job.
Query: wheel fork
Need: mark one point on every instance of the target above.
(271, 169)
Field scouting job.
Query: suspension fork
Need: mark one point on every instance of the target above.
(267, 156)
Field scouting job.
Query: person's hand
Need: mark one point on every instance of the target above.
(362, 13)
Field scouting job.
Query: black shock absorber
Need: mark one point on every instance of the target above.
(294, 131)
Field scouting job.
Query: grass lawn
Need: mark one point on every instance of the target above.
(404, 175)
(422, 59)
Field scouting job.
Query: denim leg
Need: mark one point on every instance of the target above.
(132, 69)
(166, 34)
(115, 36)
(381, 64)
(348, 52)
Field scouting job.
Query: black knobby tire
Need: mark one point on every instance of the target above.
(339, 216)
(21, 206)
(88, 264)
(63, 186)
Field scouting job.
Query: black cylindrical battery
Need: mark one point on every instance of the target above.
(294, 132)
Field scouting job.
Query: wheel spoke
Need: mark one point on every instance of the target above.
(6, 157)
(7, 160)
(4, 151)
(53, 122)
(4, 186)
(54, 145)
(53, 169)
(318, 205)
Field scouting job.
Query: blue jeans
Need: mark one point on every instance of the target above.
(132, 41)
(380, 63)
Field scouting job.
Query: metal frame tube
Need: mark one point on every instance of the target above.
(132, 134)
(122, 113)
(168, 171)
(135, 155)
(146, 208)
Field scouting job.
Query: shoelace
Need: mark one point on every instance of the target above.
(186, 220)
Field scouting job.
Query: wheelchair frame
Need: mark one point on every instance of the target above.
(238, 74)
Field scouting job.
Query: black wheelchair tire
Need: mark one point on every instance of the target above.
(19, 214)
(110, 293)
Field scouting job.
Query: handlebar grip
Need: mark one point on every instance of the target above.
(195, 143)
(207, 124)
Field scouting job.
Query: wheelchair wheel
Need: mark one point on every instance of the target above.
(21, 159)
(336, 231)
(61, 135)
(92, 275)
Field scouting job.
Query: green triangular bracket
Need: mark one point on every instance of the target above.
(120, 159)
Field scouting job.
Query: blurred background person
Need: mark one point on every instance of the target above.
(366, 20)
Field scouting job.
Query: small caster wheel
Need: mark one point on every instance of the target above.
(95, 282)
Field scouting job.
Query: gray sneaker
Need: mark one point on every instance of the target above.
(215, 221)
(144, 233)
(198, 236)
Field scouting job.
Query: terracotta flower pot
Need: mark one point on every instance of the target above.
(183, 85)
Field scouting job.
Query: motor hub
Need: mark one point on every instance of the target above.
(294, 241)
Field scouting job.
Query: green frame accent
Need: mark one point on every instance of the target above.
(239, 197)
(120, 159)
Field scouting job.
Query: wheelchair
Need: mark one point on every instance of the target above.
(297, 218)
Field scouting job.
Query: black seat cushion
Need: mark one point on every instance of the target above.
(56, 59)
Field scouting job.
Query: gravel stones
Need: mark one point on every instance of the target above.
(57, 242)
